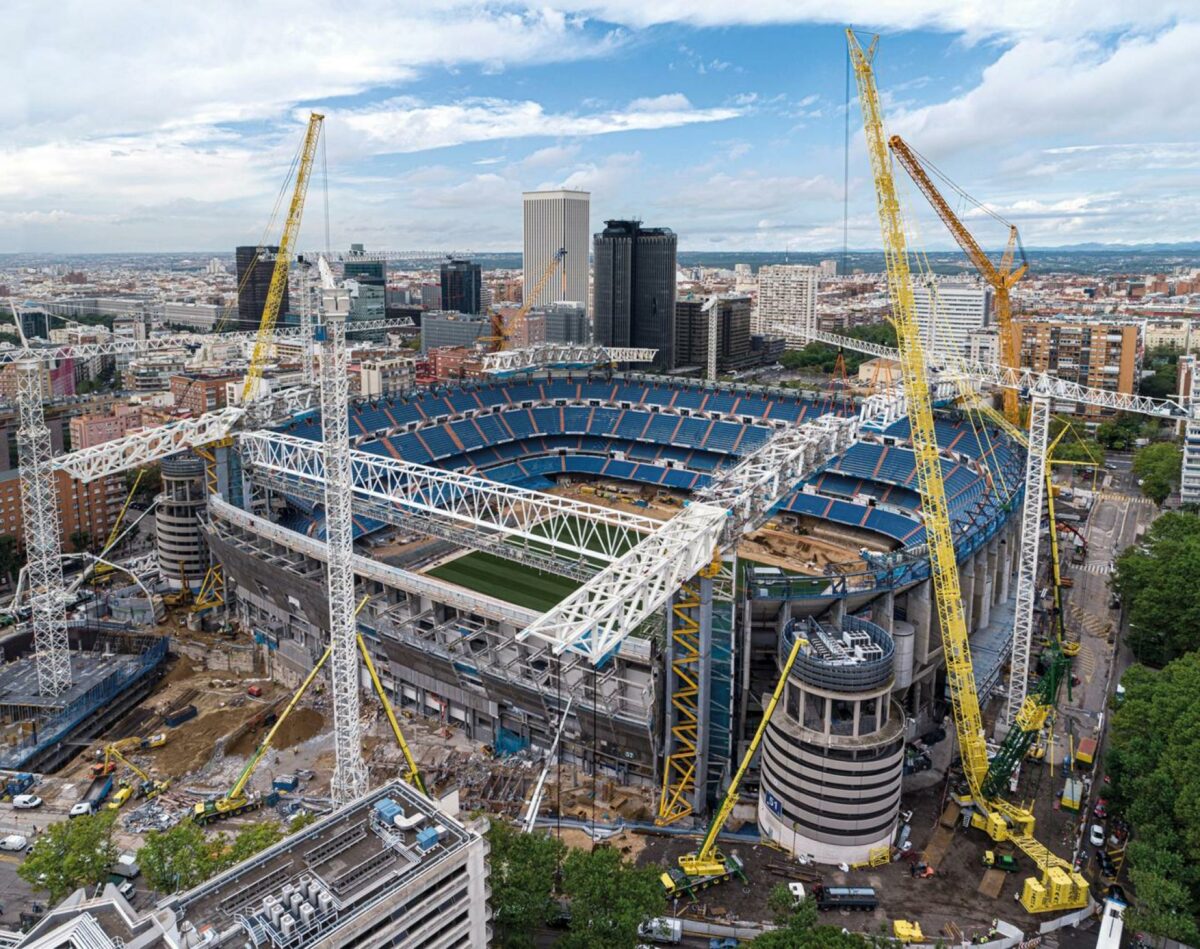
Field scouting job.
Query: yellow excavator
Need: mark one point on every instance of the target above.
(148, 788)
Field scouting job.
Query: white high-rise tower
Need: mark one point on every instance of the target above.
(553, 220)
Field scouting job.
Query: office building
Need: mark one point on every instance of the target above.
(566, 322)
(197, 316)
(635, 289)
(358, 264)
(200, 392)
(254, 282)
(555, 220)
(390, 869)
(462, 286)
(950, 313)
(441, 328)
(1104, 355)
(787, 302)
(730, 313)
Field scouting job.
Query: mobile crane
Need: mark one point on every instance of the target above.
(236, 801)
(708, 866)
(1061, 886)
(1001, 279)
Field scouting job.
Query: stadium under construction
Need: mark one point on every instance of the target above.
(446, 606)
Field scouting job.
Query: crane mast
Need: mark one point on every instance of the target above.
(1061, 887)
(1001, 280)
(501, 328)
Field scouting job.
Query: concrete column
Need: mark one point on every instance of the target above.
(993, 562)
(920, 614)
(837, 612)
(883, 611)
(983, 596)
(966, 582)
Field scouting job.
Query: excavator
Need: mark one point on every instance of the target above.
(147, 788)
(1060, 886)
(708, 865)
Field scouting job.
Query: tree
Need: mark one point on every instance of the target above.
(250, 840)
(1119, 434)
(71, 854)
(798, 927)
(523, 868)
(11, 557)
(1159, 583)
(1158, 468)
(609, 897)
(300, 820)
(181, 857)
(1153, 762)
(81, 540)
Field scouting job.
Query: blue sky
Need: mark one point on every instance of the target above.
(136, 128)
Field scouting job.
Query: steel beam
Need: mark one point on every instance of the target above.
(555, 355)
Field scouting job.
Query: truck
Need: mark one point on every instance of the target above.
(1072, 794)
(209, 812)
(1000, 861)
(662, 930)
(126, 866)
(838, 897)
(98, 790)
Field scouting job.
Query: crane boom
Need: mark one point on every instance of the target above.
(1001, 281)
(939, 534)
(279, 276)
(1061, 887)
(502, 329)
(706, 861)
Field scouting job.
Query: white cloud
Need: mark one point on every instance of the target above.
(405, 125)
(1041, 88)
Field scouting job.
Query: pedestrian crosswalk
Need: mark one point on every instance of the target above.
(1101, 568)
(1131, 498)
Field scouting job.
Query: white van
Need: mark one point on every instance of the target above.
(14, 842)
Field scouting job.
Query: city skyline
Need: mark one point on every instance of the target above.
(725, 123)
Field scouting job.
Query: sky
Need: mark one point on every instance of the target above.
(170, 127)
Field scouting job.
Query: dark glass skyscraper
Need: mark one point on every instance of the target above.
(252, 289)
(635, 288)
(462, 286)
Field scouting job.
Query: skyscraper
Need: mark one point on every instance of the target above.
(554, 220)
(358, 265)
(635, 289)
(787, 302)
(254, 281)
(462, 286)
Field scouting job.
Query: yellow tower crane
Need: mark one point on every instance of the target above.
(1001, 279)
(1061, 886)
(503, 329)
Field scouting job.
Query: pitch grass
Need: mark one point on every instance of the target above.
(506, 580)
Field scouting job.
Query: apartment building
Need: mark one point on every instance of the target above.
(1104, 355)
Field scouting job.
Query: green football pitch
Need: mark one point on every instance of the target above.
(506, 580)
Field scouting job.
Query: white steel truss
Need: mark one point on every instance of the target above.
(440, 591)
(750, 489)
(556, 355)
(43, 540)
(350, 773)
(139, 449)
(1027, 570)
(600, 614)
(1023, 380)
(568, 529)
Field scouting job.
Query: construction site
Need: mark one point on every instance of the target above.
(746, 634)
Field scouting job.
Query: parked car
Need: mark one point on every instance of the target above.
(1096, 837)
(126, 889)
(14, 842)
(1101, 809)
(26, 802)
